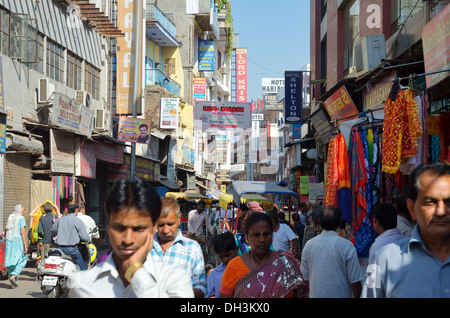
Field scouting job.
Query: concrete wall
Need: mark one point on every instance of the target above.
(53, 21)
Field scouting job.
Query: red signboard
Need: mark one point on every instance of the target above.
(436, 46)
(241, 75)
(340, 105)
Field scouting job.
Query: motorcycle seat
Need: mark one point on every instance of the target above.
(57, 252)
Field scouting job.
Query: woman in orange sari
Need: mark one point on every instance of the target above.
(262, 272)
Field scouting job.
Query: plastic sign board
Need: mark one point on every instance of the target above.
(293, 99)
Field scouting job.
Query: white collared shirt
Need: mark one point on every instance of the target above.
(154, 280)
(196, 221)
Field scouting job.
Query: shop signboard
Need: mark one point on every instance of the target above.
(109, 153)
(66, 112)
(126, 55)
(145, 169)
(62, 146)
(169, 113)
(272, 85)
(436, 46)
(87, 161)
(340, 105)
(375, 96)
(241, 75)
(293, 98)
(206, 56)
(270, 103)
(199, 89)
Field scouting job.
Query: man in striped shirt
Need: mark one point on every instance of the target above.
(171, 247)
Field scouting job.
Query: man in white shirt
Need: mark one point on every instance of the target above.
(283, 238)
(329, 262)
(88, 221)
(385, 224)
(132, 207)
(197, 218)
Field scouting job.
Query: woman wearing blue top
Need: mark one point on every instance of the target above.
(16, 244)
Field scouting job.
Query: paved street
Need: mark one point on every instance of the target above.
(28, 287)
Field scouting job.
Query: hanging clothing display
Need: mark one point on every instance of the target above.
(402, 128)
(338, 182)
(361, 190)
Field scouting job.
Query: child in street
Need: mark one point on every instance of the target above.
(226, 249)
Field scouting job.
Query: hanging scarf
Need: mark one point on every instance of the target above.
(12, 225)
(359, 182)
(332, 175)
(344, 182)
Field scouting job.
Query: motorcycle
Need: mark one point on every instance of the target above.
(58, 267)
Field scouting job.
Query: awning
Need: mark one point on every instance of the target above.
(226, 199)
(159, 135)
(241, 187)
(169, 184)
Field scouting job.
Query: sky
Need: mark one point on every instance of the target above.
(276, 36)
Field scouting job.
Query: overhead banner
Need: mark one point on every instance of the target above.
(134, 130)
(222, 115)
(241, 75)
(205, 55)
(126, 55)
(293, 97)
(169, 113)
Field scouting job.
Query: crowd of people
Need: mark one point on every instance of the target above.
(150, 257)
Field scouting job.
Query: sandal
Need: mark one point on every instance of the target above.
(13, 282)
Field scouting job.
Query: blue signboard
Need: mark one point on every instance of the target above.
(205, 55)
(293, 97)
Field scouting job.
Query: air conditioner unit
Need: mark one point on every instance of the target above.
(102, 119)
(84, 98)
(46, 89)
(369, 52)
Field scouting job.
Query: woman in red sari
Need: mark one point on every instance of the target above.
(262, 272)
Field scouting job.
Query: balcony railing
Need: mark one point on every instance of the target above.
(154, 13)
(156, 77)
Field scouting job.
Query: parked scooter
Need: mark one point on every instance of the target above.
(56, 270)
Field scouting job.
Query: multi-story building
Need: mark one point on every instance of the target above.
(363, 46)
(55, 70)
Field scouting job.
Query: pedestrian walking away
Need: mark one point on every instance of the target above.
(45, 225)
(171, 247)
(385, 224)
(16, 244)
(418, 267)
(329, 262)
(133, 208)
(70, 231)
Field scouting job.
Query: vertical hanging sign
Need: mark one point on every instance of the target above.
(126, 55)
(241, 75)
(293, 99)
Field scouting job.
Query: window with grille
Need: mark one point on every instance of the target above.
(92, 80)
(74, 71)
(55, 61)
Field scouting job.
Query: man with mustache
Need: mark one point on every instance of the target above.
(418, 266)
